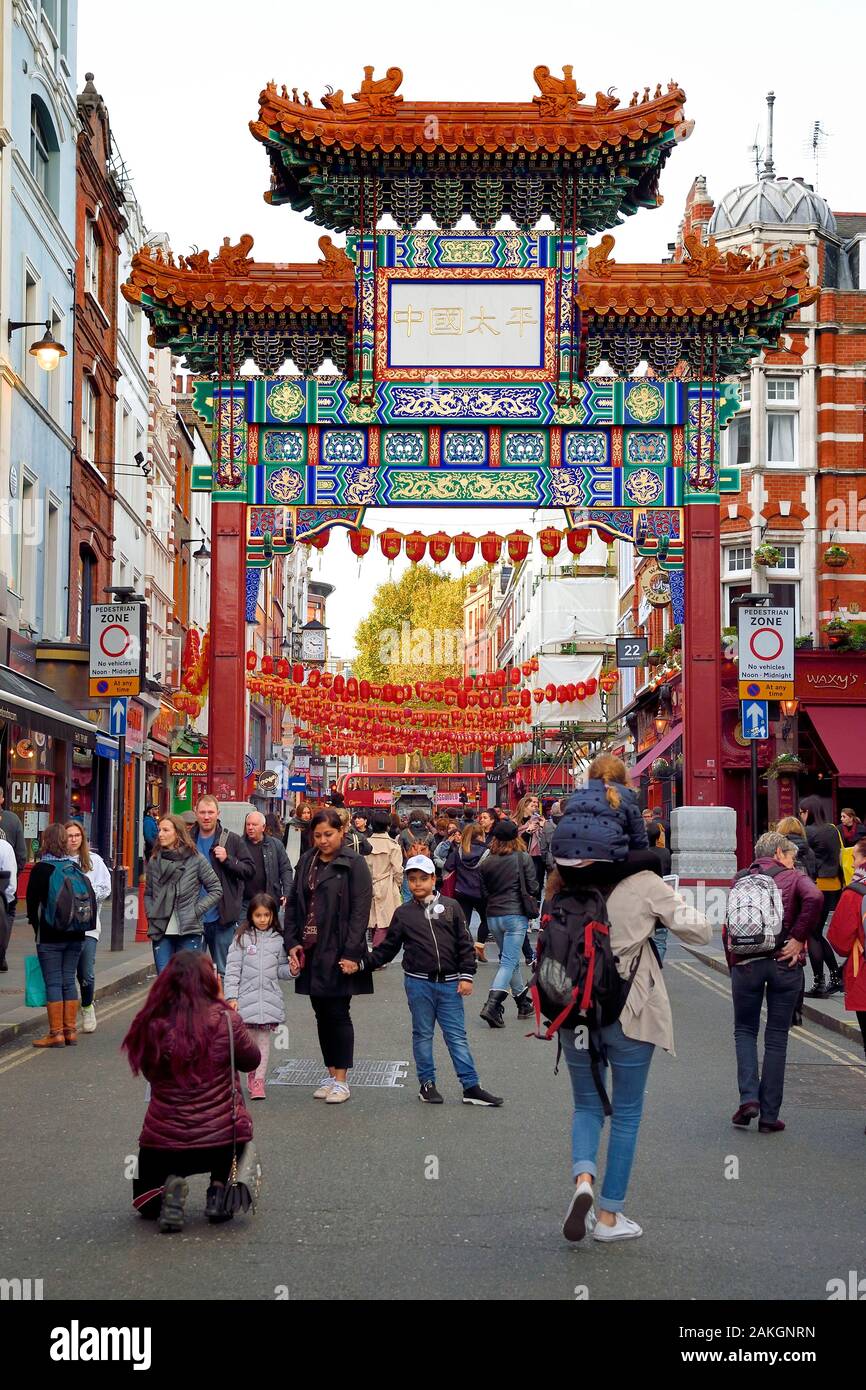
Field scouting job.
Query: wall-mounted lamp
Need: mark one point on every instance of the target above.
(203, 553)
(46, 350)
(664, 712)
(789, 709)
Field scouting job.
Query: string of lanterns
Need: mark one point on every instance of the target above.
(440, 545)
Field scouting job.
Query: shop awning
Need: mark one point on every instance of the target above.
(840, 729)
(657, 751)
(28, 702)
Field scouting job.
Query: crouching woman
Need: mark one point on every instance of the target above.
(179, 1041)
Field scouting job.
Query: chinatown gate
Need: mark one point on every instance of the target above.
(464, 358)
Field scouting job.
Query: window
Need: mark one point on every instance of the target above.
(89, 403)
(86, 590)
(787, 596)
(40, 149)
(790, 557)
(781, 437)
(92, 258)
(738, 559)
(381, 764)
(52, 624)
(745, 388)
(782, 389)
(739, 434)
(732, 592)
(57, 378)
(29, 541)
(30, 369)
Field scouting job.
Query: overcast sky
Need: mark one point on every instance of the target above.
(181, 79)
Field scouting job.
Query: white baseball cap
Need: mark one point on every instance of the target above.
(421, 861)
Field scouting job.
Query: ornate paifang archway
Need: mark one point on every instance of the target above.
(419, 416)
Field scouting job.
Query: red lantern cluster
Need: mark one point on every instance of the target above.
(518, 544)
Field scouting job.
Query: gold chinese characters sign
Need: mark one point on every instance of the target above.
(476, 325)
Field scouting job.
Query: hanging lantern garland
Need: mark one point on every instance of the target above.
(440, 544)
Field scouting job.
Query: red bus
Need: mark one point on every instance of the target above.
(382, 789)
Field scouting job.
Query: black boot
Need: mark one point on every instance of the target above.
(525, 1006)
(492, 1012)
(213, 1204)
(835, 986)
(819, 990)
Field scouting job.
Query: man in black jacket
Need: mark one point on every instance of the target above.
(439, 967)
(272, 872)
(230, 859)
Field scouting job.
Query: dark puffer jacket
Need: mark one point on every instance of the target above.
(468, 881)
(174, 883)
(198, 1115)
(593, 800)
(805, 861)
(344, 892)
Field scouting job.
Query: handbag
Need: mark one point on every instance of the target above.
(531, 906)
(245, 1175)
(34, 983)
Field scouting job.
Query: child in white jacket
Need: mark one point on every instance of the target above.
(255, 964)
(95, 868)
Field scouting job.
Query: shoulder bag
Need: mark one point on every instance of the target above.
(245, 1176)
(531, 906)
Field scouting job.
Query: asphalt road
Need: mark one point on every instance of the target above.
(350, 1212)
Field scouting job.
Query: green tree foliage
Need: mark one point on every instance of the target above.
(414, 631)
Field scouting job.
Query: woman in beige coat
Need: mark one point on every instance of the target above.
(386, 868)
(637, 901)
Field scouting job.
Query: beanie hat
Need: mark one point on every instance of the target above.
(580, 836)
(504, 830)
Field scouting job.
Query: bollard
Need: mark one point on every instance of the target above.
(141, 922)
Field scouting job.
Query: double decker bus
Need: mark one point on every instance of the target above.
(404, 792)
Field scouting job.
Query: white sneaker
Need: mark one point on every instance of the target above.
(337, 1094)
(324, 1091)
(88, 1018)
(577, 1218)
(623, 1230)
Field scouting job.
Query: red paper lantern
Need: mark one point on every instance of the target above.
(526, 697)
(570, 692)
(364, 690)
(267, 665)
(577, 540)
(298, 673)
(550, 541)
(518, 546)
(360, 541)
(339, 684)
(608, 681)
(514, 675)
(283, 668)
(533, 663)
(317, 542)
(415, 545)
(439, 545)
(562, 694)
(252, 660)
(538, 696)
(464, 547)
(550, 692)
(390, 542)
(491, 547)
(580, 690)
(313, 678)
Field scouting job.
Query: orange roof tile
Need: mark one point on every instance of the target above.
(232, 281)
(709, 282)
(378, 118)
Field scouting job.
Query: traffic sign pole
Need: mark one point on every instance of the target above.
(753, 764)
(118, 876)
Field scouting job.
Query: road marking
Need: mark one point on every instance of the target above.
(29, 1053)
(834, 1051)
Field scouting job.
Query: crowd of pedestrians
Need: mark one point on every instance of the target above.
(589, 876)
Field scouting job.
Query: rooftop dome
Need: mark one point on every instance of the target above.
(772, 202)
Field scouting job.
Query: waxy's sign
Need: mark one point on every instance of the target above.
(825, 679)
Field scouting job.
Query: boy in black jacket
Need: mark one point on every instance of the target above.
(439, 965)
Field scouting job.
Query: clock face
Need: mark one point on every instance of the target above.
(313, 646)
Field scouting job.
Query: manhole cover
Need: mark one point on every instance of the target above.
(826, 1085)
(301, 1071)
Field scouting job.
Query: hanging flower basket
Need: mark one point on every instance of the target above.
(661, 769)
(655, 657)
(767, 556)
(836, 557)
(786, 765)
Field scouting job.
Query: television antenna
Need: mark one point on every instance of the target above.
(755, 152)
(815, 146)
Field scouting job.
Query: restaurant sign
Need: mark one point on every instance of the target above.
(829, 679)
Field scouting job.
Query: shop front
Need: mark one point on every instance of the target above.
(188, 782)
(831, 689)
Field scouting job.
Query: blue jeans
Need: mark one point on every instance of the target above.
(630, 1061)
(509, 934)
(59, 961)
(218, 941)
(782, 985)
(87, 970)
(169, 946)
(430, 1001)
(404, 889)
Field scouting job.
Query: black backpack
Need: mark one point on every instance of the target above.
(576, 982)
(70, 904)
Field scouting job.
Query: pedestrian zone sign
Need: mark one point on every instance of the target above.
(116, 645)
(766, 653)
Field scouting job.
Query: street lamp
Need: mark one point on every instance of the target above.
(46, 350)
(203, 553)
(664, 712)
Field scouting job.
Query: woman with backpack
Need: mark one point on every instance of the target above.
(61, 907)
(93, 865)
(510, 887)
(180, 889)
(588, 885)
(825, 840)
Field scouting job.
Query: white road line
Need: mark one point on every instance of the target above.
(30, 1053)
(830, 1049)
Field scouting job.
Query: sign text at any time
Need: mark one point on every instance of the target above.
(116, 646)
(766, 653)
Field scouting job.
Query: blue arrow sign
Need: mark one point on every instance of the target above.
(117, 717)
(755, 719)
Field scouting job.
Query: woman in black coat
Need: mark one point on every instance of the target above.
(826, 843)
(327, 913)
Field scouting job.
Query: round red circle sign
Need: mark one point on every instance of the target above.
(114, 640)
(766, 643)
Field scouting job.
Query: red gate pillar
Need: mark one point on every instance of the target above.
(227, 706)
(702, 656)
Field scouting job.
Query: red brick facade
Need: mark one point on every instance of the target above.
(99, 221)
